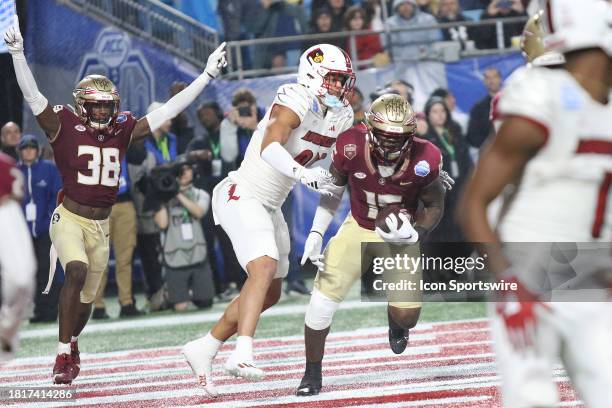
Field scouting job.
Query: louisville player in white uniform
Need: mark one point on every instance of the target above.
(17, 260)
(555, 144)
(299, 129)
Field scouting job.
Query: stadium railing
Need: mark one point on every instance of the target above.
(446, 51)
(156, 22)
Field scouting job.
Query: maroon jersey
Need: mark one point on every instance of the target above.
(89, 161)
(369, 190)
(11, 180)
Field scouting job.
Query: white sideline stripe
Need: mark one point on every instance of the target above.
(197, 317)
(258, 342)
(437, 402)
(331, 355)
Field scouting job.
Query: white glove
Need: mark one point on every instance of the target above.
(406, 234)
(312, 250)
(447, 181)
(317, 179)
(216, 61)
(13, 38)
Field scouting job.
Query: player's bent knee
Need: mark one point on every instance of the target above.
(320, 311)
(406, 317)
(262, 268)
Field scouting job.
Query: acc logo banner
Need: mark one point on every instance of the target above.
(350, 151)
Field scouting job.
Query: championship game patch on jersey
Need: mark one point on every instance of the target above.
(121, 118)
(350, 151)
(422, 169)
(80, 128)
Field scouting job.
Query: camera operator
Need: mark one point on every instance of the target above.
(183, 242)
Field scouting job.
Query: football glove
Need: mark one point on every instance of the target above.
(518, 311)
(216, 61)
(406, 234)
(317, 179)
(312, 250)
(13, 38)
(447, 181)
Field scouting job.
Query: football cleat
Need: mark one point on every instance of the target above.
(201, 365)
(7, 349)
(76, 357)
(246, 370)
(312, 380)
(398, 340)
(63, 371)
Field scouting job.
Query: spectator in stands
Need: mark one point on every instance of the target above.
(181, 126)
(184, 245)
(450, 12)
(474, 4)
(374, 13)
(316, 5)
(421, 124)
(277, 19)
(403, 88)
(10, 135)
(237, 19)
(162, 143)
(410, 45)
(224, 154)
(240, 123)
(122, 235)
(357, 105)
(479, 126)
(323, 24)
(486, 37)
(367, 45)
(279, 60)
(429, 6)
(42, 184)
(458, 115)
(338, 9)
(446, 134)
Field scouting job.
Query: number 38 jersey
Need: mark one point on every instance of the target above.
(369, 191)
(565, 189)
(308, 143)
(89, 161)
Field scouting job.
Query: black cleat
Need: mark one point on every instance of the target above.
(312, 380)
(398, 341)
(99, 313)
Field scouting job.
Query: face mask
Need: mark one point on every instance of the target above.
(332, 101)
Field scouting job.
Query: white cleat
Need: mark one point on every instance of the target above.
(248, 371)
(201, 365)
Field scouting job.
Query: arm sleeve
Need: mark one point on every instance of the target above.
(28, 86)
(178, 102)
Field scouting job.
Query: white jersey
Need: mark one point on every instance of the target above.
(565, 191)
(308, 143)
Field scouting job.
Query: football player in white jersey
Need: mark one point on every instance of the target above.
(555, 144)
(299, 129)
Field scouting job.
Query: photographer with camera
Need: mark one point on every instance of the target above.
(183, 243)
(241, 121)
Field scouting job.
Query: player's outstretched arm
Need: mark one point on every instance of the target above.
(501, 163)
(46, 117)
(328, 205)
(179, 102)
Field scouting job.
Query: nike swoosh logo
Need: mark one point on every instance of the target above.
(405, 183)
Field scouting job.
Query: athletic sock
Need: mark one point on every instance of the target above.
(244, 349)
(63, 348)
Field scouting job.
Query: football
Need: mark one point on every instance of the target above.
(385, 212)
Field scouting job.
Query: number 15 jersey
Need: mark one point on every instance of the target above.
(89, 161)
(308, 143)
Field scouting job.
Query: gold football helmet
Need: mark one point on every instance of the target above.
(96, 101)
(392, 126)
(532, 44)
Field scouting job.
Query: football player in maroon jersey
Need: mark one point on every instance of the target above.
(384, 164)
(89, 144)
(17, 260)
